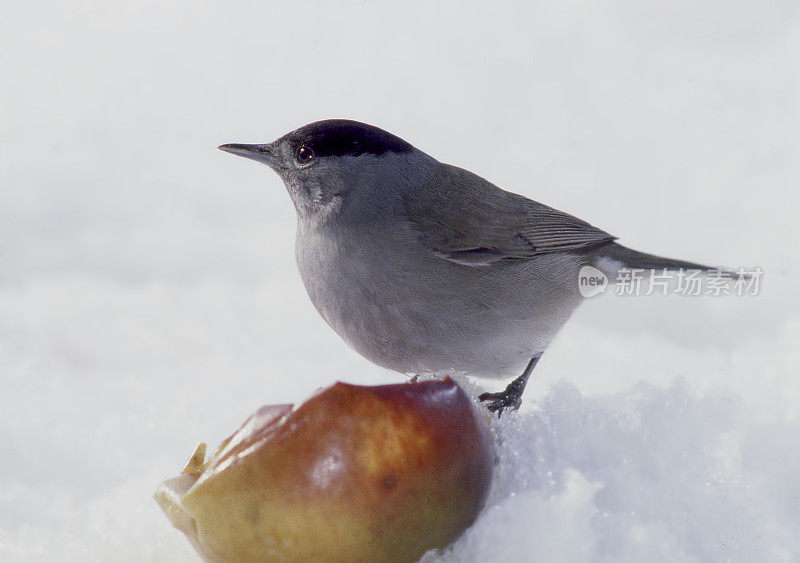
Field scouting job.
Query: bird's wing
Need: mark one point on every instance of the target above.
(470, 221)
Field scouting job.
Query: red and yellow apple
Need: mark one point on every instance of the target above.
(380, 473)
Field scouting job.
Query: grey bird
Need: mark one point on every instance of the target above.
(425, 267)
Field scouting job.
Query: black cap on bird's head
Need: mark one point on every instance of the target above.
(342, 137)
(331, 137)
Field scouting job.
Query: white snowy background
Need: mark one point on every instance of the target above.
(149, 298)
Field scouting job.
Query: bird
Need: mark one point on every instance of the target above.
(425, 267)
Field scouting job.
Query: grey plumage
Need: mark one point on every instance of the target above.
(422, 266)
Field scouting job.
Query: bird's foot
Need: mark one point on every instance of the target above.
(508, 398)
(511, 396)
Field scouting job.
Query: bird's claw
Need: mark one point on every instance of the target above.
(502, 400)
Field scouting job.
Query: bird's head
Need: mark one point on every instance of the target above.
(328, 164)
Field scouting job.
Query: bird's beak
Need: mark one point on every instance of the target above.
(261, 153)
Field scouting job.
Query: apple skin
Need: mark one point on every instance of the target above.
(381, 473)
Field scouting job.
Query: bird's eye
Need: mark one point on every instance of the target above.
(303, 155)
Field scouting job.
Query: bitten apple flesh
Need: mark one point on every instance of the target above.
(380, 473)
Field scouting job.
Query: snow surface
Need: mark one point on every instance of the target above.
(149, 298)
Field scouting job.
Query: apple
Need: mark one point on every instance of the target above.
(380, 473)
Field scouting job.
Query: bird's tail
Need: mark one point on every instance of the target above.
(613, 257)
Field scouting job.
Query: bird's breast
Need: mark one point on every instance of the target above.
(357, 285)
(408, 310)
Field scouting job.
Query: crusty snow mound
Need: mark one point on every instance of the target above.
(643, 475)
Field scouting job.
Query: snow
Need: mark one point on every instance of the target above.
(149, 298)
(649, 473)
